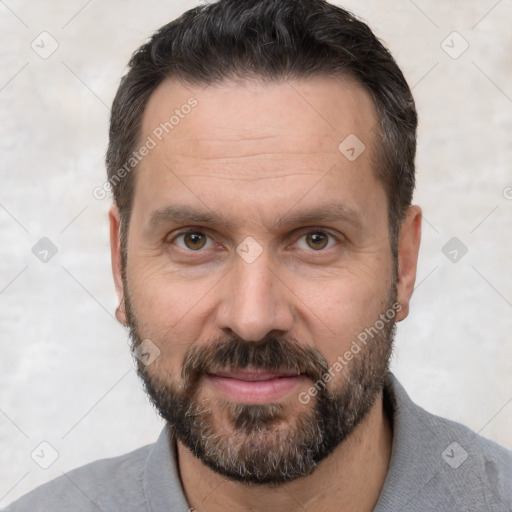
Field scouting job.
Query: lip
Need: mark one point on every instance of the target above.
(255, 387)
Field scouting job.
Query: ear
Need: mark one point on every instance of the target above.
(115, 252)
(408, 248)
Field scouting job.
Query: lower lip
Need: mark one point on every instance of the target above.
(255, 392)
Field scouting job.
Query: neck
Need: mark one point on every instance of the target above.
(351, 478)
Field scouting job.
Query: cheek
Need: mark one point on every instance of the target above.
(340, 309)
(163, 295)
(170, 313)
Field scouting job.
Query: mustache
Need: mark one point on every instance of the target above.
(271, 353)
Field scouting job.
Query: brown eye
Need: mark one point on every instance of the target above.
(193, 241)
(317, 240)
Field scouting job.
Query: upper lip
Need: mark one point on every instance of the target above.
(253, 375)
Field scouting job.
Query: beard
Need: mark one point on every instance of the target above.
(269, 443)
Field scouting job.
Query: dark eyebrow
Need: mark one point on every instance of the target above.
(184, 213)
(333, 212)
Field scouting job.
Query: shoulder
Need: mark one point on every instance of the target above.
(472, 465)
(106, 485)
(442, 464)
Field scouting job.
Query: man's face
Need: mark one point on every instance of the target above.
(257, 253)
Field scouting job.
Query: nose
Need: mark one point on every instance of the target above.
(255, 301)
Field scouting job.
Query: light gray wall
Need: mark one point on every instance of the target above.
(66, 376)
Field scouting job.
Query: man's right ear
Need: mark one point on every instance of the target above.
(115, 252)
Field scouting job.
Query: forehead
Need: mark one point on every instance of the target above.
(249, 140)
(317, 113)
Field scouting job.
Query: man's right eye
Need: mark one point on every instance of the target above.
(192, 241)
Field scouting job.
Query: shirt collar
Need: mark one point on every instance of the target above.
(161, 479)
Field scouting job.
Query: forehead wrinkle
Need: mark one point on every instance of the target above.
(255, 155)
(257, 178)
(218, 169)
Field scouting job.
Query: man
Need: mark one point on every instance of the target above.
(264, 246)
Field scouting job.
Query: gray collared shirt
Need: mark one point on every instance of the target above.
(436, 465)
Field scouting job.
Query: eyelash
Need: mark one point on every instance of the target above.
(199, 251)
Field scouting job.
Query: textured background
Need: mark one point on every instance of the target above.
(66, 376)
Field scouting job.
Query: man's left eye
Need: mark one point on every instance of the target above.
(316, 240)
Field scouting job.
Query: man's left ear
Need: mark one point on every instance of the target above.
(408, 248)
